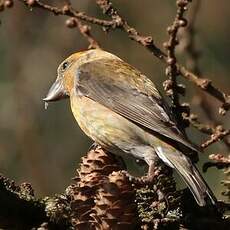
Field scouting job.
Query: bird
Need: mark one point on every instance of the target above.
(121, 110)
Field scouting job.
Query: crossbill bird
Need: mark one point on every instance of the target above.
(121, 109)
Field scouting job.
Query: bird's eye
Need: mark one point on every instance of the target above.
(65, 65)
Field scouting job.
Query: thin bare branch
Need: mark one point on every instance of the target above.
(67, 10)
(147, 42)
(171, 87)
(85, 30)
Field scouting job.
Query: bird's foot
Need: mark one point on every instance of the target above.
(133, 179)
(153, 173)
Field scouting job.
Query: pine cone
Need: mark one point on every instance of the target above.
(156, 202)
(93, 171)
(115, 203)
(82, 200)
(104, 198)
(99, 161)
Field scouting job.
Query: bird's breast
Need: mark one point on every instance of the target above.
(90, 116)
(106, 127)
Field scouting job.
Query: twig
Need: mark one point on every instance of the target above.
(118, 22)
(188, 40)
(206, 85)
(204, 128)
(147, 42)
(170, 85)
(217, 132)
(220, 158)
(68, 11)
(6, 4)
(85, 30)
(220, 162)
(193, 55)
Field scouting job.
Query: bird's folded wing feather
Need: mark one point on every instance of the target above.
(113, 83)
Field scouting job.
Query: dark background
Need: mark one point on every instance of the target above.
(44, 146)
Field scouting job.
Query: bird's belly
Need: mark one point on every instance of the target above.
(107, 128)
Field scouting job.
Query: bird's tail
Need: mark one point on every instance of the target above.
(188, 172)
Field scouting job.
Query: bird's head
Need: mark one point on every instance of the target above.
(67, 71)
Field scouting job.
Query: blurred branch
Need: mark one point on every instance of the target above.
(146, 41)
(188, 40)
(193, 55)
(171, 87)
(217, 135)
(220, 162)
(6, 4)
(220, 158)
(85, 30)
(67, 10)
(217, 132)
(206, 85)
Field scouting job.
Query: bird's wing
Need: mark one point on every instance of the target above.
(113, 83)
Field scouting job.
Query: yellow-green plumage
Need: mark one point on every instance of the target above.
(107, 128)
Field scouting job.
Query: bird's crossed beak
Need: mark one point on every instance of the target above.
(56, 92)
